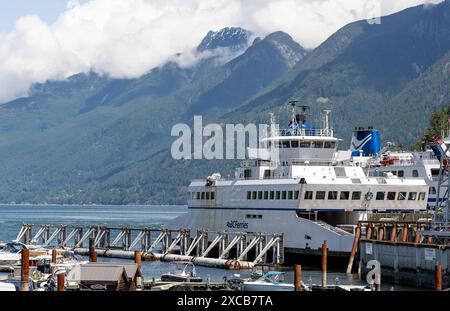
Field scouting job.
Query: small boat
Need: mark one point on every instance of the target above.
(271, 281)
(7, 287)
(184, 276)
(10, 253)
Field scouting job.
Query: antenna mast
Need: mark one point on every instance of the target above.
(327, 129)
(294, 103)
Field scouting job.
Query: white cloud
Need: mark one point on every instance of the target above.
(126, 38)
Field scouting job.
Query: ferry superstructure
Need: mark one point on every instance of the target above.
(366, 151)
(293, 185)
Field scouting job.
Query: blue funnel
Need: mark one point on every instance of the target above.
(365, 142)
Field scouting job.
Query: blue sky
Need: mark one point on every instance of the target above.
(48, 10)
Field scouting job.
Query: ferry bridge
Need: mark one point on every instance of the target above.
(219, 249)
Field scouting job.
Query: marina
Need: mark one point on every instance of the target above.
(297, 201)
(153, 270)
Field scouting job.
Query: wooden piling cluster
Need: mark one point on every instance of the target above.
(298, 270)
(393, 231)
(387, 231)
(410, 254)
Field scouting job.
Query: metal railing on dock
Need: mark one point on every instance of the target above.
(224, 249)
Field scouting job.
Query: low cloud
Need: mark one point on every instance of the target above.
(323, 100)
(126, 38)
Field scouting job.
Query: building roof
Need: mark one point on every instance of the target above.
(106, 272)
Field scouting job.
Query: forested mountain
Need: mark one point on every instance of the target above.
(69, 138)
(93, 139)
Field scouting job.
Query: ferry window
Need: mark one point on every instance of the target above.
(254, 195)
(380, 196)
(305, 144)
(422, 196)
(294, 144)
(415, 173)
(266, 195)
(308, 195)
(280, 144)
(249, 195)
(296, 194)
(329, 144)
(272, 195)
(317, 144)
(356, 195)
(278, 195)
(401, 196)
(203, 195)
(286, 144)
(284, 195)
(320, 195)
(345, 195)
(412, 196)
(332, 195)
(432, 190)
(394, 173)
(259, 195)
(401, 173)
(213, 195)
(391, 196)
(434, 172)
(207, 195)
(290, 195)
(198, 195)
(193, 195)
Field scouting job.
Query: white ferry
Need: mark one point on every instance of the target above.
(378, 162)
(295, 184)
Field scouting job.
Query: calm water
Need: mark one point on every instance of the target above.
(12, 217)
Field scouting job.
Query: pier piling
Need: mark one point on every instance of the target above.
(438, 277)
(405, 233)
(298, 278)
(61, 282)
(138, 258)
(324, 264)
(92, 252)
(25, 272)
(354, 249)
(54, 255)
(369, 232)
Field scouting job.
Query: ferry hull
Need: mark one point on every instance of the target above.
(301, 237)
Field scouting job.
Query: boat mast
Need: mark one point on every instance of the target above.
(293, 103)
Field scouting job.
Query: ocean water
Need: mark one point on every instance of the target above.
(13, 216)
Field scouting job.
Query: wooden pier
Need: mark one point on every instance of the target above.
(408, 253)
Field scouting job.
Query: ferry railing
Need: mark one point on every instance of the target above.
(308, 132)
